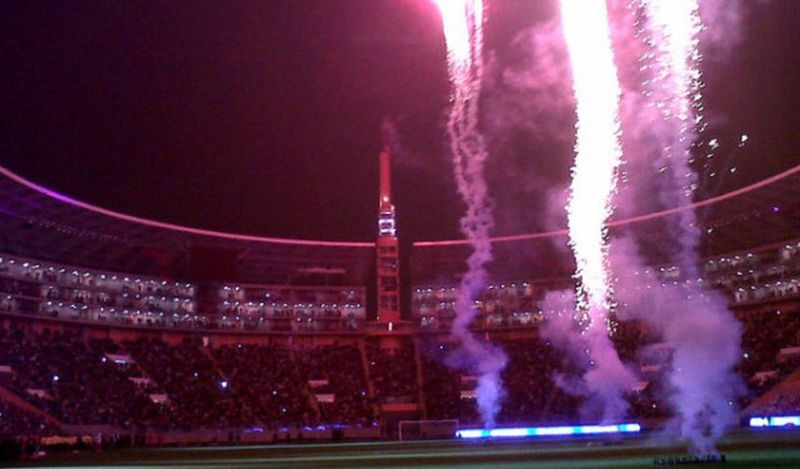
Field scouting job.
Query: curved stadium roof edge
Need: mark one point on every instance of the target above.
(169, 226)
(49, 193)
(640, 218)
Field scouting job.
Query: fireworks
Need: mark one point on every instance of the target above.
(673, 108)
(704, 333)
(463, 22)
(594, 176)
(463, 29)
(676, 25)
(674, 92)
(597, 148)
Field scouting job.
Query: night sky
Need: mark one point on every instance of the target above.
(264, 117)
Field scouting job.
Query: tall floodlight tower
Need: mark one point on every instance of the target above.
(388, 265)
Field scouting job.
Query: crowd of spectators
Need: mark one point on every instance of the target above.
(534, 367)
(532, 395)
(186, 386)
(393, 372)
(530, 381)
(70, 376)
(199, 396)
(764, 335)
(785, 402)
(72, 380)
(628, 338)
(17, 423)
(76, 381)
(266, 383)
(342, 367)
(443, 385)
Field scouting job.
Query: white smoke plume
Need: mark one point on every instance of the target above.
(598, 152)
(604, 379)
(659, 117)
(704, 337)
(463, 26)
(722, 33)
(662, 113)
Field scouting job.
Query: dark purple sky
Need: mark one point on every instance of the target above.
(264, 117)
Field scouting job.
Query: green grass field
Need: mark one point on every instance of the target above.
(745, 449)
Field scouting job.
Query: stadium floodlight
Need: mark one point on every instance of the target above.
(775, 421)
(527, 432)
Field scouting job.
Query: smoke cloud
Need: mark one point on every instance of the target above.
(659, 129)
(532, 98)
(604, 379)
(527, 118)
(703, 335)
(463, 26)
(692, 320)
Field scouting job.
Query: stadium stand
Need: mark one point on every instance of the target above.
(16, 423)
(337, 377)
(106, 323)
(393, 372)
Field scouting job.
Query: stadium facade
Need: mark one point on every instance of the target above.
(180, 311)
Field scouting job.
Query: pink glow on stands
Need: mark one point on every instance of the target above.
(637, 219)
(168, 226)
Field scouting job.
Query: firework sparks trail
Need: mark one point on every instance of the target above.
(597, 147)
(702, 366)
(674, 28)
(598, 154)
(463, 29)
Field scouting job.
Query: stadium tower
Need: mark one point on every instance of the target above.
(388, 255)
(389, 332)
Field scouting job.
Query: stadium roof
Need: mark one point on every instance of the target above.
(40, 223)
(761, 214)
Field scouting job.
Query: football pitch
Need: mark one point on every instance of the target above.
(746, 449)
